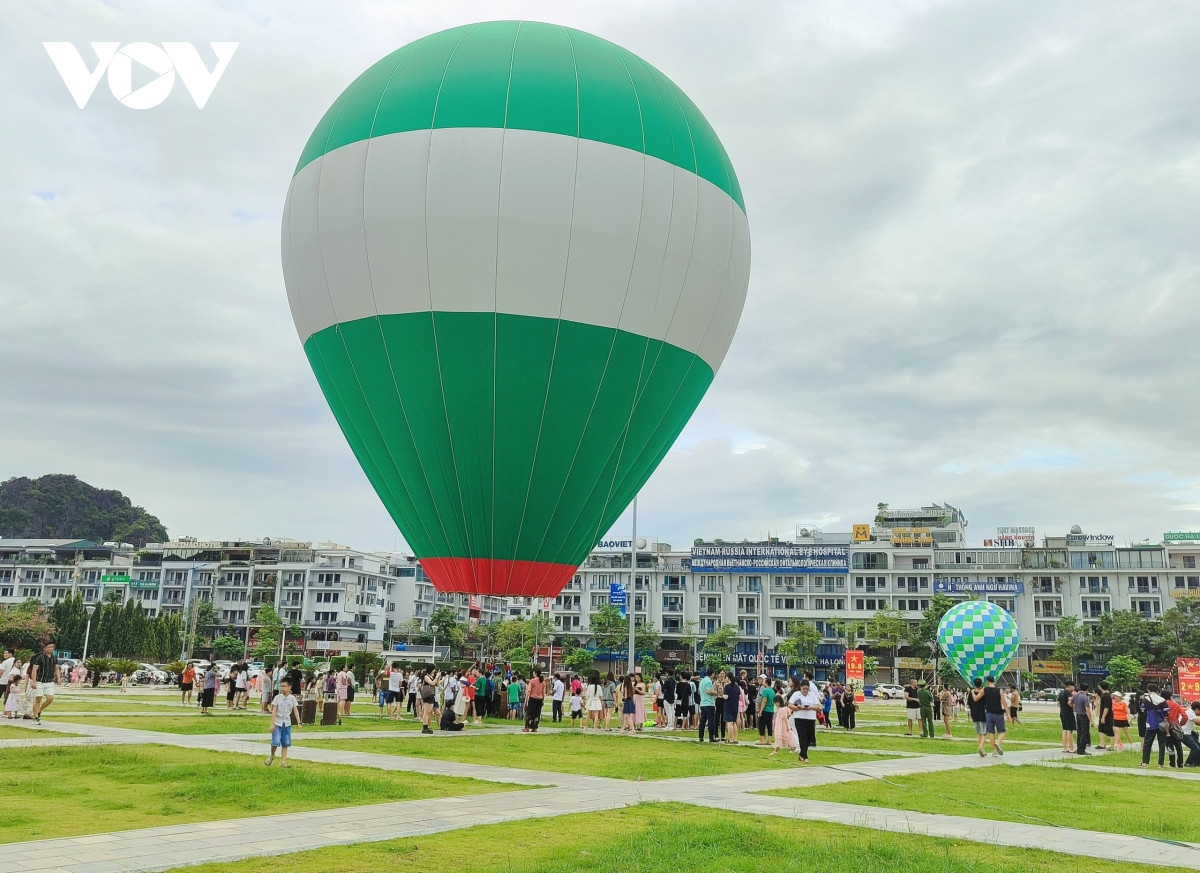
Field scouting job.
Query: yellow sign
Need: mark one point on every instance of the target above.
(1043, 668)
(913, 664)
(912, 536)
(861, 533)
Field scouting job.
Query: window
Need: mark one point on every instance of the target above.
(748, 626)
(787, 583)
(324, 616)
(234, 596)
(1148, 608)
(747, 604)
(233, 615)
(672, 603)
(58, 593)
(920, 563)
(1047, 608)
(328, 596)
(672, 624)
(599, 600)
(869, 561)
(828, 603)
(1095, 608)
(1047, 632)
(709, 625)
(6, 591)
(1088, 560)
(674, 583)
(868, 604)
(789, 603)
(781, 628)
(1143, 584)
(1094, 584)
(711, 583)
(749, 583)
(710, 604)
(1004, 603)
(1189, 562)
(329, 578)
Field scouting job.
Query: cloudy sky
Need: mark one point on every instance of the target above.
(975, 274)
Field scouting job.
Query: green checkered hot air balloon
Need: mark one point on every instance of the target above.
(516, 255)
(979, 638)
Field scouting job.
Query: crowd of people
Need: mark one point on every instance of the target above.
(1158, 717)
(28, 687)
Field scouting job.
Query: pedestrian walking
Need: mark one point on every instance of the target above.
(535, 694)
(804, 703)
(283, 708)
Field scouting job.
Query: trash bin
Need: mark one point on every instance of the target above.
(308, 712)
(329, 710)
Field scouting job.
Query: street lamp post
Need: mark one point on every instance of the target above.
(87, 634)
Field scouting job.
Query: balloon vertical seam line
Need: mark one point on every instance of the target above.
(429, 287)
(491, 553)
(419, 519)
(569, 534)
(558, 322)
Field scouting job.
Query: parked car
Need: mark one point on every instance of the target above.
(887, 691)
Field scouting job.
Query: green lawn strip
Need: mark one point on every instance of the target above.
(1033, 732)
(1130, 758)
(855, 740)
(69, 705)
(9, 732)
(668, 836)
(587, 754)
(1029, 794)
(59, 792)
(241, 723)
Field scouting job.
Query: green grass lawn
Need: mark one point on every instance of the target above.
(588, 754)
(239, 723)
(651, 838)
(856, 740)
(1033, 795)
(77, 704)
(88, 789)
(1131, 757)
(9, 732)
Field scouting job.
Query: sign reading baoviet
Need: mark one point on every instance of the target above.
(783, 558)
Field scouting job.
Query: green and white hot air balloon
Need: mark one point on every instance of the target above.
(516, 255)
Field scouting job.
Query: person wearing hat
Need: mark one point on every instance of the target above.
(925, 698)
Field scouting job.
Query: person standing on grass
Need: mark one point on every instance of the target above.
(785, 734)
(849, 706)
(993, 710)
(668, 696)
(427, 690)
(708, 708)
(267, 686)
(1014, 704)
(593, 702)
(1104, 724)
(395, 689)
(1066, 716)
(208, 689)
(481, 697)
(535, 697)
(764, 703)
(628, 709)
(282, 708)
(1156, 712)
(44, 672)
(912, 705)
(557, 690)
(947, 700)
(413, 683)
(1082, 704)
(804, 703)
(186, 681)
(1120, 720)
(925, 698)
(733, 698)
(978, 713)
(1177, 718)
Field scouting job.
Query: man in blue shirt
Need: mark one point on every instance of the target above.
(708, 709)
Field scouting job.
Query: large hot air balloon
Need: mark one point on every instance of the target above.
(516, 255)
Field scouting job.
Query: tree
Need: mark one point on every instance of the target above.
(889, 628)
(365, 664)
(947, 673)
(70, 622)
(198, 623)
(270, 631)
(610, 629)
(645, 637)
(447, 629)
(688, 637)
(1124, 672)
(926, 632)
(852, 629)
(1179, 631)
(406, 630)
(799, 647)
(1128, 632)
(578, 661)
(870, 665)
(718, 647)
(1073, 641)
(520, 655)
(24, 628)
(226, 647)
(650, 667)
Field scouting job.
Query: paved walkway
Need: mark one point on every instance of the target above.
(156, 849)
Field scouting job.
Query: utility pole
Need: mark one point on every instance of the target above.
(631, 601)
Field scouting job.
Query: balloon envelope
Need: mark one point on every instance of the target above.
(516, 255)
(979, 638)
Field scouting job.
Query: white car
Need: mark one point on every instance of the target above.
(887, 691)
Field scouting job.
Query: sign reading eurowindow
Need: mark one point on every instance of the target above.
(781, 558)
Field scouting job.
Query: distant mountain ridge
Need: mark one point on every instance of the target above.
(60, 506)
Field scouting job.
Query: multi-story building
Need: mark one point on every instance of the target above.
(345, 598)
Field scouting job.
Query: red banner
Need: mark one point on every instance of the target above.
(854, 672)
(1189, 678)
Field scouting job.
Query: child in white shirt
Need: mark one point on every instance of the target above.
(282, 708)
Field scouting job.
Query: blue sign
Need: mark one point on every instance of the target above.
(977, 586)
(780, 558)
(617, 596)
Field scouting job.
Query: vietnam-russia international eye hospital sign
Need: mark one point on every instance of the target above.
(783, 558)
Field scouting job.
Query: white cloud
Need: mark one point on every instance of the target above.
(975, 265)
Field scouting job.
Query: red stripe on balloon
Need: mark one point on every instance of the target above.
(497, 577)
